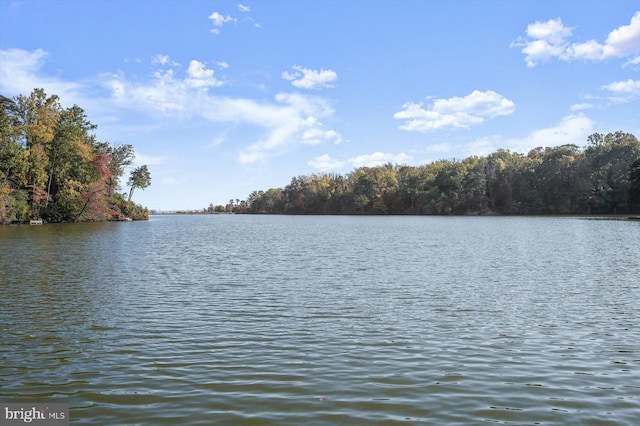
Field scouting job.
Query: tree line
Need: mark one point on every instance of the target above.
(601, 178)
(53, 167)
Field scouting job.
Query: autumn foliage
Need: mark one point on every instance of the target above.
(603, 177)
(53, 167)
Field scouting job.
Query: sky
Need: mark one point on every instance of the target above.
(221, 98)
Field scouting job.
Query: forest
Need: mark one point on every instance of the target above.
(53, 167)
(602, 177)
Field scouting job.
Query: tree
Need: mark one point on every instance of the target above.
(634, 187)
(609, 158)
(70, 151)
(412, 182)
(139, 178)
(52, 166)
(8, 119)
(554, 180)
(121, 156)
(38, 116)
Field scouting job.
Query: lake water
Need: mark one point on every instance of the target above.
(280, 320)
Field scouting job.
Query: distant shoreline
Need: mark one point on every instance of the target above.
(623, 217)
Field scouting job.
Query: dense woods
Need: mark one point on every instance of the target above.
(53, 167)
(601, 178)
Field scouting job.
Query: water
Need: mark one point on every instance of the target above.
(275, 320)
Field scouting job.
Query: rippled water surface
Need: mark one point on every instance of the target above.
(276, 320)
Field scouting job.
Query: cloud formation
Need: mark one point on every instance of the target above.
(627, 89)
(199, 76)
(455, 112)
(305, 78)
(19, 74)
(547, 40)
(168, 90)
(290, 119)
(182, 93)
(219, 20)
(325, 163)
(572, 129)
(295, 118)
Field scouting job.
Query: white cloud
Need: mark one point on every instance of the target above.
(142, 159)
(19, 73)
(325, 163)
(199, 76)
(219, 20)
(629, 88)
(581, 106)
(466, 111)
(550, 39)
(216, 142)
(634, 61)
(590, 50)
(552, 31)
(294, 118)
(178, 93)
(624, 40)
(160, 59)
(310, 79)
(378, 159)
(243, 8)
(168, 91)
(315, 136)
(481, 146)
(572, 129)
(165, 93)
(540, 51)
(290, 119)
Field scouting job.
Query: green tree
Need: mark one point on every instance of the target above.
(294, 195)
(140, 177)
(8, 119)
(51, 162)
(411, 185)
(38, 116)
(365, 189)
(256, 202)
(557, 180)
(71, 150)
(634, 186)
(121, 157)
(449, 182)
(609, 158)
(474, 184)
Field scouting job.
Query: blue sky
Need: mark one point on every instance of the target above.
(220, 98)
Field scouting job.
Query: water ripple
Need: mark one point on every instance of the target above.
(236, 320)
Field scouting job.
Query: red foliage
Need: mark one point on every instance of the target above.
(37, 193)
(96, 206)
(101, 166)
